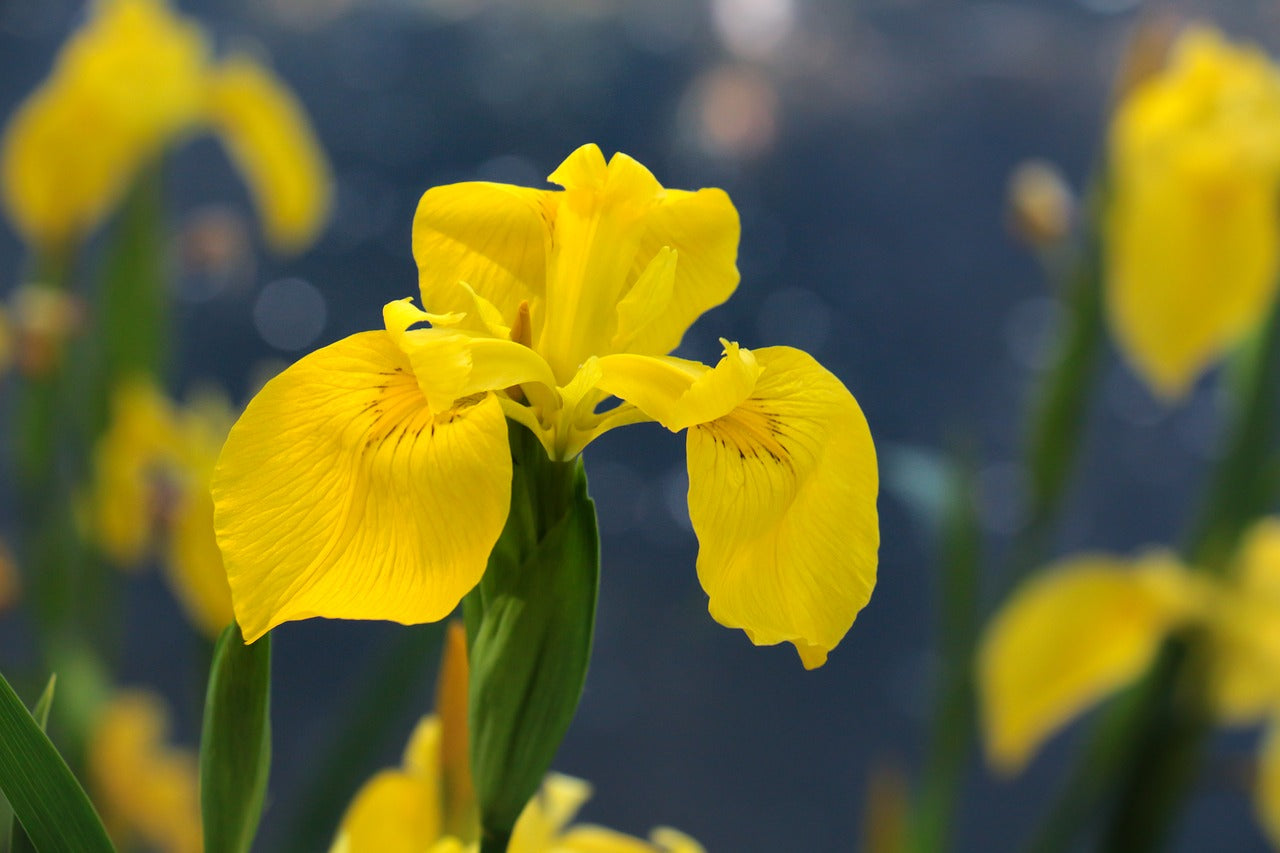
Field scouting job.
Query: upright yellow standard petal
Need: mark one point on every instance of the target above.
(702, 228)
(268, 135)
(1068, 638)
(341, 493)
(792, 557)
(613, 221)
(494, 237)
(1191, 237)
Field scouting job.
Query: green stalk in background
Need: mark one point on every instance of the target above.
(529, 628)
(1146, 750)
(1055, 420)
(953, 726)
(1060, 409)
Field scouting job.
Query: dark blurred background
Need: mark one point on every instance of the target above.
(867, 147)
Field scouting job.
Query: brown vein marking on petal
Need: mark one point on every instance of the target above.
(752, 431)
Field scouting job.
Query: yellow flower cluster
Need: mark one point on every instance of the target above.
(1093, 624)
(152, 469)
(132, 81)
(145, 790)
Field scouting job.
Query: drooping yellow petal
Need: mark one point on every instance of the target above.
(494, 237)
(1267, 791)
(1068, 638)
(1191, 233)
(678, 393)
(269, 137)
(792, 557)
(56, 188)
(340, 493)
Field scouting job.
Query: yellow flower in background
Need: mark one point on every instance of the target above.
(1092, 625)
(1192, 230)
(146, 791)
(152, 469)
(372, 478)
(427, 804)
(133, 80)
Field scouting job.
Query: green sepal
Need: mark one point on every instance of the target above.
(53, 809)
(529, 629)
(235, 747)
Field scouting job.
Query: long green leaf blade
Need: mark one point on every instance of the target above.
(235, 748)
(53, 809)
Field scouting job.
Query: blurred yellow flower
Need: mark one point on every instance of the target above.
(10, 580)
(146, 791)
(35, 329)
(373, 476)
(427, 806)
(133, 80)
(1192, 229)
(6, 342)
(152, 469)
(1092, 625)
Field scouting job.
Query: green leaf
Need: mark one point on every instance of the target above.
(18, 841)
(235, 748)
(48, 801)
(529, 626)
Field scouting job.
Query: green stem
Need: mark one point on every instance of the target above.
(952, 738)
(1242, 489)
(1148, 768)
(1059, 412)
(529, 627)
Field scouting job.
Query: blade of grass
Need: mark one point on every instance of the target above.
(53, 809)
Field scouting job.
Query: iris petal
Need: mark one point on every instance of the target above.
(340, 493)
(782, 495)
(1067, 639)
(267, 133)
(494, 237)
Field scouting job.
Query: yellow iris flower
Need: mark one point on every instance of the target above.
(427, 804)
(1094, 624)
(132, 80)
(146, 790)
(372, 478)
(1193, 229)
(152, 469)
